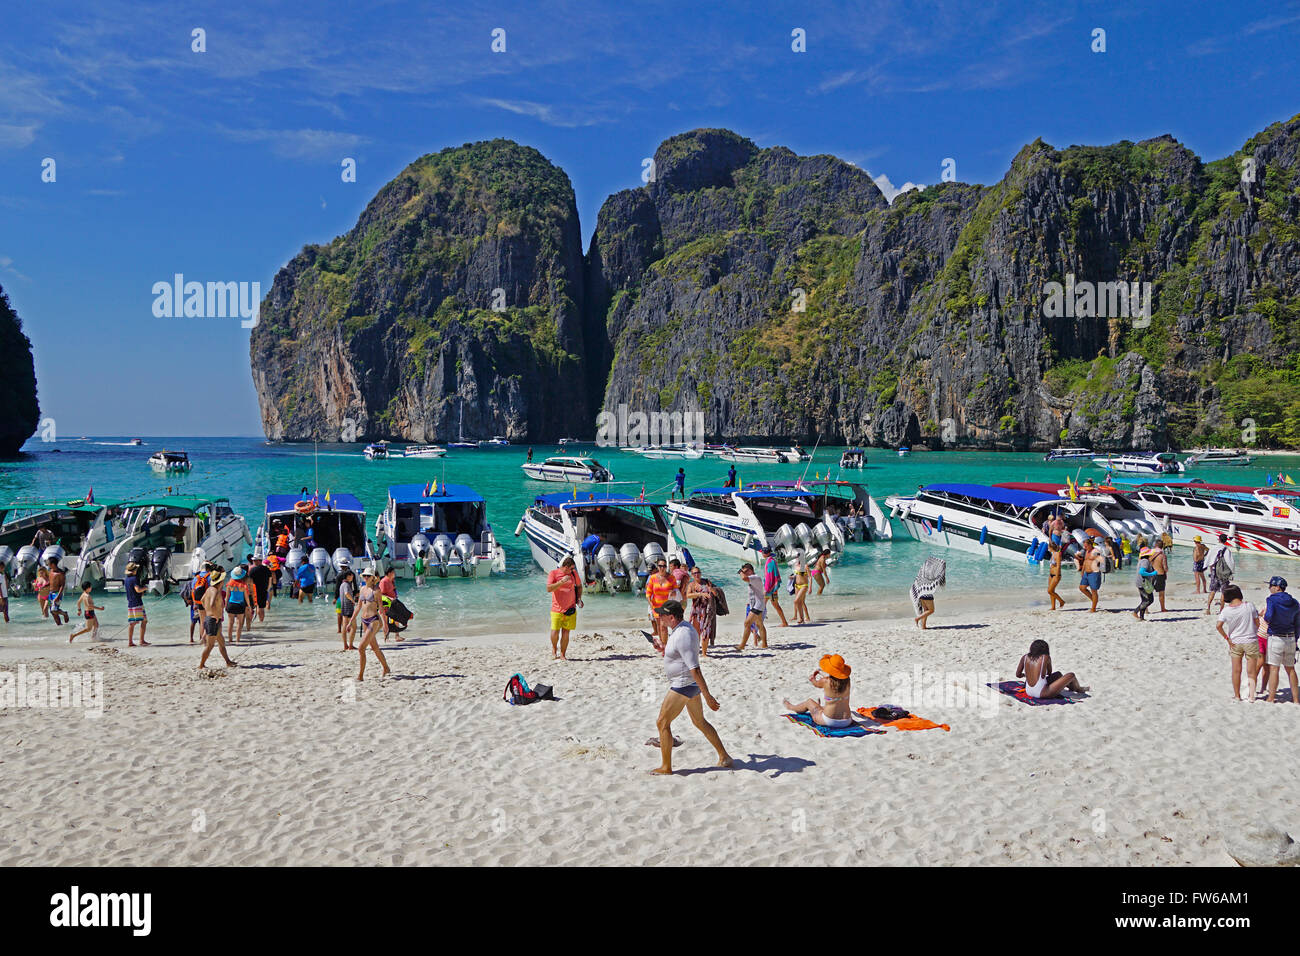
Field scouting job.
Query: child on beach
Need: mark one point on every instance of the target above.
(802, 582)
(1040, 680)
(832, 678)
(86, 607)
(419, 567)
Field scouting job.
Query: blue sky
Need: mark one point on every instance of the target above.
(221, 165)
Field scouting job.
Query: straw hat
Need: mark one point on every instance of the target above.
(216, 578)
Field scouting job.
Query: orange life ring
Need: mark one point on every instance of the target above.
(305, 507)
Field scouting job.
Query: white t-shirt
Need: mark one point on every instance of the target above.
(1240, 622)
(757, 596)
(682, 655)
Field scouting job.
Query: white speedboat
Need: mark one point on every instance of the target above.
(669, 451)
(1142, 463)
(423, 451)
(326, 531)
(1263, 520)
(170, 537)
(376, 451)
(447, 524)
(1217, 456)
(615, 540)
(1068, 454)
(793, 521)
(169, 461)
(495, 441)
(79, 534)
(134, 441)
(580, 470)
(1007, 520)
(759, 456)
(904, 451)
(844, 502)
(853, 458)
(569, 441)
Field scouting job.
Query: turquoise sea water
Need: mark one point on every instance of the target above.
(872, 579)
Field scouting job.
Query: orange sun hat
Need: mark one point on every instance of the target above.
(834, 665)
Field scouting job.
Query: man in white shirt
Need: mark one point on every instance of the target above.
(686, 686)
(1217, 583)
(1238, 625)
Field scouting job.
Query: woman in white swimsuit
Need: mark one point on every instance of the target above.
(1040, 680)
(833, 710)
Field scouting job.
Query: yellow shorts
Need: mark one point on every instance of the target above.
(563, 622)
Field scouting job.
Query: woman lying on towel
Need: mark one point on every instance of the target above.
(833, 709)
(1040, 680)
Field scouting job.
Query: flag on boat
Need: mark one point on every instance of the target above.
(90, 495)
(1287, 479)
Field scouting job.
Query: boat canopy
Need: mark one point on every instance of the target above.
(764, 492)
(184, 502)
(559, 499)
(75, 504)
(1017, 497)
(1186, 487)
(447, 494)
(285, 504)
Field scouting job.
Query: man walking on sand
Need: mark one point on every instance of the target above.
(566, 597)
(1160, 562)
(211, 608)
(1220, 566)
(134, 605)
(1089, 562)
(686, 687)
(755, 609)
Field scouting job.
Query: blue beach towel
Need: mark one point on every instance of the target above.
(857, 730)
(1016, 689)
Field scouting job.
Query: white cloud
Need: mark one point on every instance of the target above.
(891, 192)
(299, 143)
(14, 136)
(541, 112)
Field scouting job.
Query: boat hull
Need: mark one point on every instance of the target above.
(724, 534)
(1001, 540)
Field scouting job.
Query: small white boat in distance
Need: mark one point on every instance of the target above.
(904, 451)
(1142, 463)
(135, 441)
(569, 441)
(377, 451)
(581, 470)
(669, 451)
(1068, 454)
(853, 458)
(169, 461)
(496, 441)
(424, 451)
(760, 456)
(1218, 456)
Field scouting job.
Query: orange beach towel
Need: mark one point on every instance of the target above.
(910, 722)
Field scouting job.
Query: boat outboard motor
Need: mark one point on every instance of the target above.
(783, 542)
(159, 559)
(342, 558)
(825, 536)
(652, 554)
(53, 551)
(294, 560)
(25, 563)
(420, 546)
(140, 558)
(607, 559)
(630, 555)
(1079, 537)
(6, 556)
(804, 534)
(442, 548)
(464, 546)
(320, 560)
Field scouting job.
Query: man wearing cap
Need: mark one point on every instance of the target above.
(134, 605)
(755, 608)
(1282, 612)
(211, 608)
(686, 686)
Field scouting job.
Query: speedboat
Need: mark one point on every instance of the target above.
(80, 529)
(568, 441)
(326, 531)
(169, 461)
(615, 540)
(853, 458)
(496, 441)
(1217, 456)
(844, 502)
(134, 441)
(376, 451)
(462, 444)
(669, 451)
(424, 451)
(582, 470)
(904, 451)
(796, 453)
(1264, 520)
(170, 537)
(793, 521)
(1068, 454)
(446, 524)
(759, 456)
(1007, 520)
(1142, 463)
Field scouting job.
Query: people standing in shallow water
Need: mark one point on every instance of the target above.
(679, 484)
(832, 678)
(1040, 680)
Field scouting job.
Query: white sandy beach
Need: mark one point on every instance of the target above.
(286, 760)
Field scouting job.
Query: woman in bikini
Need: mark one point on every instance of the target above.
(832, 678)
(1041, 682)
(1054, 575)
(347, 608)
(820, 572)
(371, 618)
(802, 584)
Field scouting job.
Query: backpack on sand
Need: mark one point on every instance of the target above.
(518, 692)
